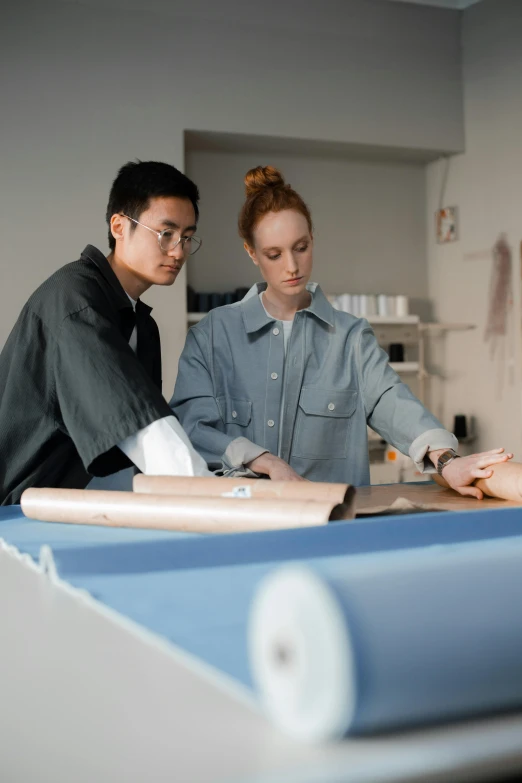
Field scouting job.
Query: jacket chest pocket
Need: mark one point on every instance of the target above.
(323, 423)
(236, 414)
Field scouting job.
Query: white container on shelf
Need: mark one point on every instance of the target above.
(401, 306)
(371, 305)
(392, 305)
(345, 303)
(382, 305)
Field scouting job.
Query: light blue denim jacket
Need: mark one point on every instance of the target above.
(336, 380)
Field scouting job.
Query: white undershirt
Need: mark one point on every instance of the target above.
(160, 449)
(133, 339)
(287, 331)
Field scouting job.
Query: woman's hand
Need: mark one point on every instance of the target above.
(273, 466)
(462, 472)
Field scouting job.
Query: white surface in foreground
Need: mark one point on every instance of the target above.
(88, 696)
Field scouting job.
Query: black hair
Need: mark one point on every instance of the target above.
(137, 183)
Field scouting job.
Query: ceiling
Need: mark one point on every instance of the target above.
(457, 5)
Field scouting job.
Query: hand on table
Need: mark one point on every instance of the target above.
(274, 467)
(462, 472)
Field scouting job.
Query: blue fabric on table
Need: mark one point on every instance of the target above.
(29, 536)
(196, 590)
(90, 549)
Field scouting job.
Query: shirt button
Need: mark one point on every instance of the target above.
(274, 376)
(270, 422)
(234, 414)
(275, 331)
(331, 406)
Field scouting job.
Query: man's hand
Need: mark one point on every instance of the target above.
(273, 466)
(462, 472)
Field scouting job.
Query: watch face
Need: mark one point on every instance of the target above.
(444, 458)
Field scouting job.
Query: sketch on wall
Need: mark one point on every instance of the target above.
(446, 222)
(499, 331)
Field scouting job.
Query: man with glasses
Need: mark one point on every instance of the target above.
(80, 373)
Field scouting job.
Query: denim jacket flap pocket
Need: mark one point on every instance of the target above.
(325, 402)
(234, 411)
(323, 422)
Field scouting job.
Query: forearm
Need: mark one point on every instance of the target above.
(393, 411)
(439, 480)
(241, 456)
(263, 463)
(277, 469)
(401, 419)
(434, 457)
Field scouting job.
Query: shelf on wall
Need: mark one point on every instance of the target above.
(392, 320)
(405, 367)
(445, 327)
(193, 318)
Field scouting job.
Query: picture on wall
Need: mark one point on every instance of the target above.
(446, 223)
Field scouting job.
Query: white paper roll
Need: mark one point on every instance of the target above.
(392, 305)
(301, 656)
(382, 305)
(402, 307)
(390, 640)
(345, 303)
(372, 304)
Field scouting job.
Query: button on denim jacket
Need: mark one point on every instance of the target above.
(336, 380)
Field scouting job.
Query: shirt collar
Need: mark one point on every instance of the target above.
(255, 316)
(123, 300)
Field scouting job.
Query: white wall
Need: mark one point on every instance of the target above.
(369, 221)
(87, 86)
(486, 184)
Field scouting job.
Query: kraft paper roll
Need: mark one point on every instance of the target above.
(420, 637)
(187, 514)
(245, 487)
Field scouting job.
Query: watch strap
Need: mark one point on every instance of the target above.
(445, 458)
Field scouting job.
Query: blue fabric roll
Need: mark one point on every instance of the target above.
(414, 637)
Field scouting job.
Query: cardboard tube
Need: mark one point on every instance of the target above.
(245, 487)
(187, 514)
(505, 483)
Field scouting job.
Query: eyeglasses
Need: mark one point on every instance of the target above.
(169, 239)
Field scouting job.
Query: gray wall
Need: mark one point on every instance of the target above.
(486, 184)
(87, 86)
(369, 220)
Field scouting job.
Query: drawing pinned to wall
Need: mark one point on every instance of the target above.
(446, 221)
(499, 332)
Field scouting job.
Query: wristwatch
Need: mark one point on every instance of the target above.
(445, 458)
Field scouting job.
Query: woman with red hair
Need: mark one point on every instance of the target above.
(283, 385)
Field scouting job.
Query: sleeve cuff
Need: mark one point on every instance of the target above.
(163, 449)
(239, 452)
(432, 440)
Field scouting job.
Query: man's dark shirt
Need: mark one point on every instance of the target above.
(71, 388)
